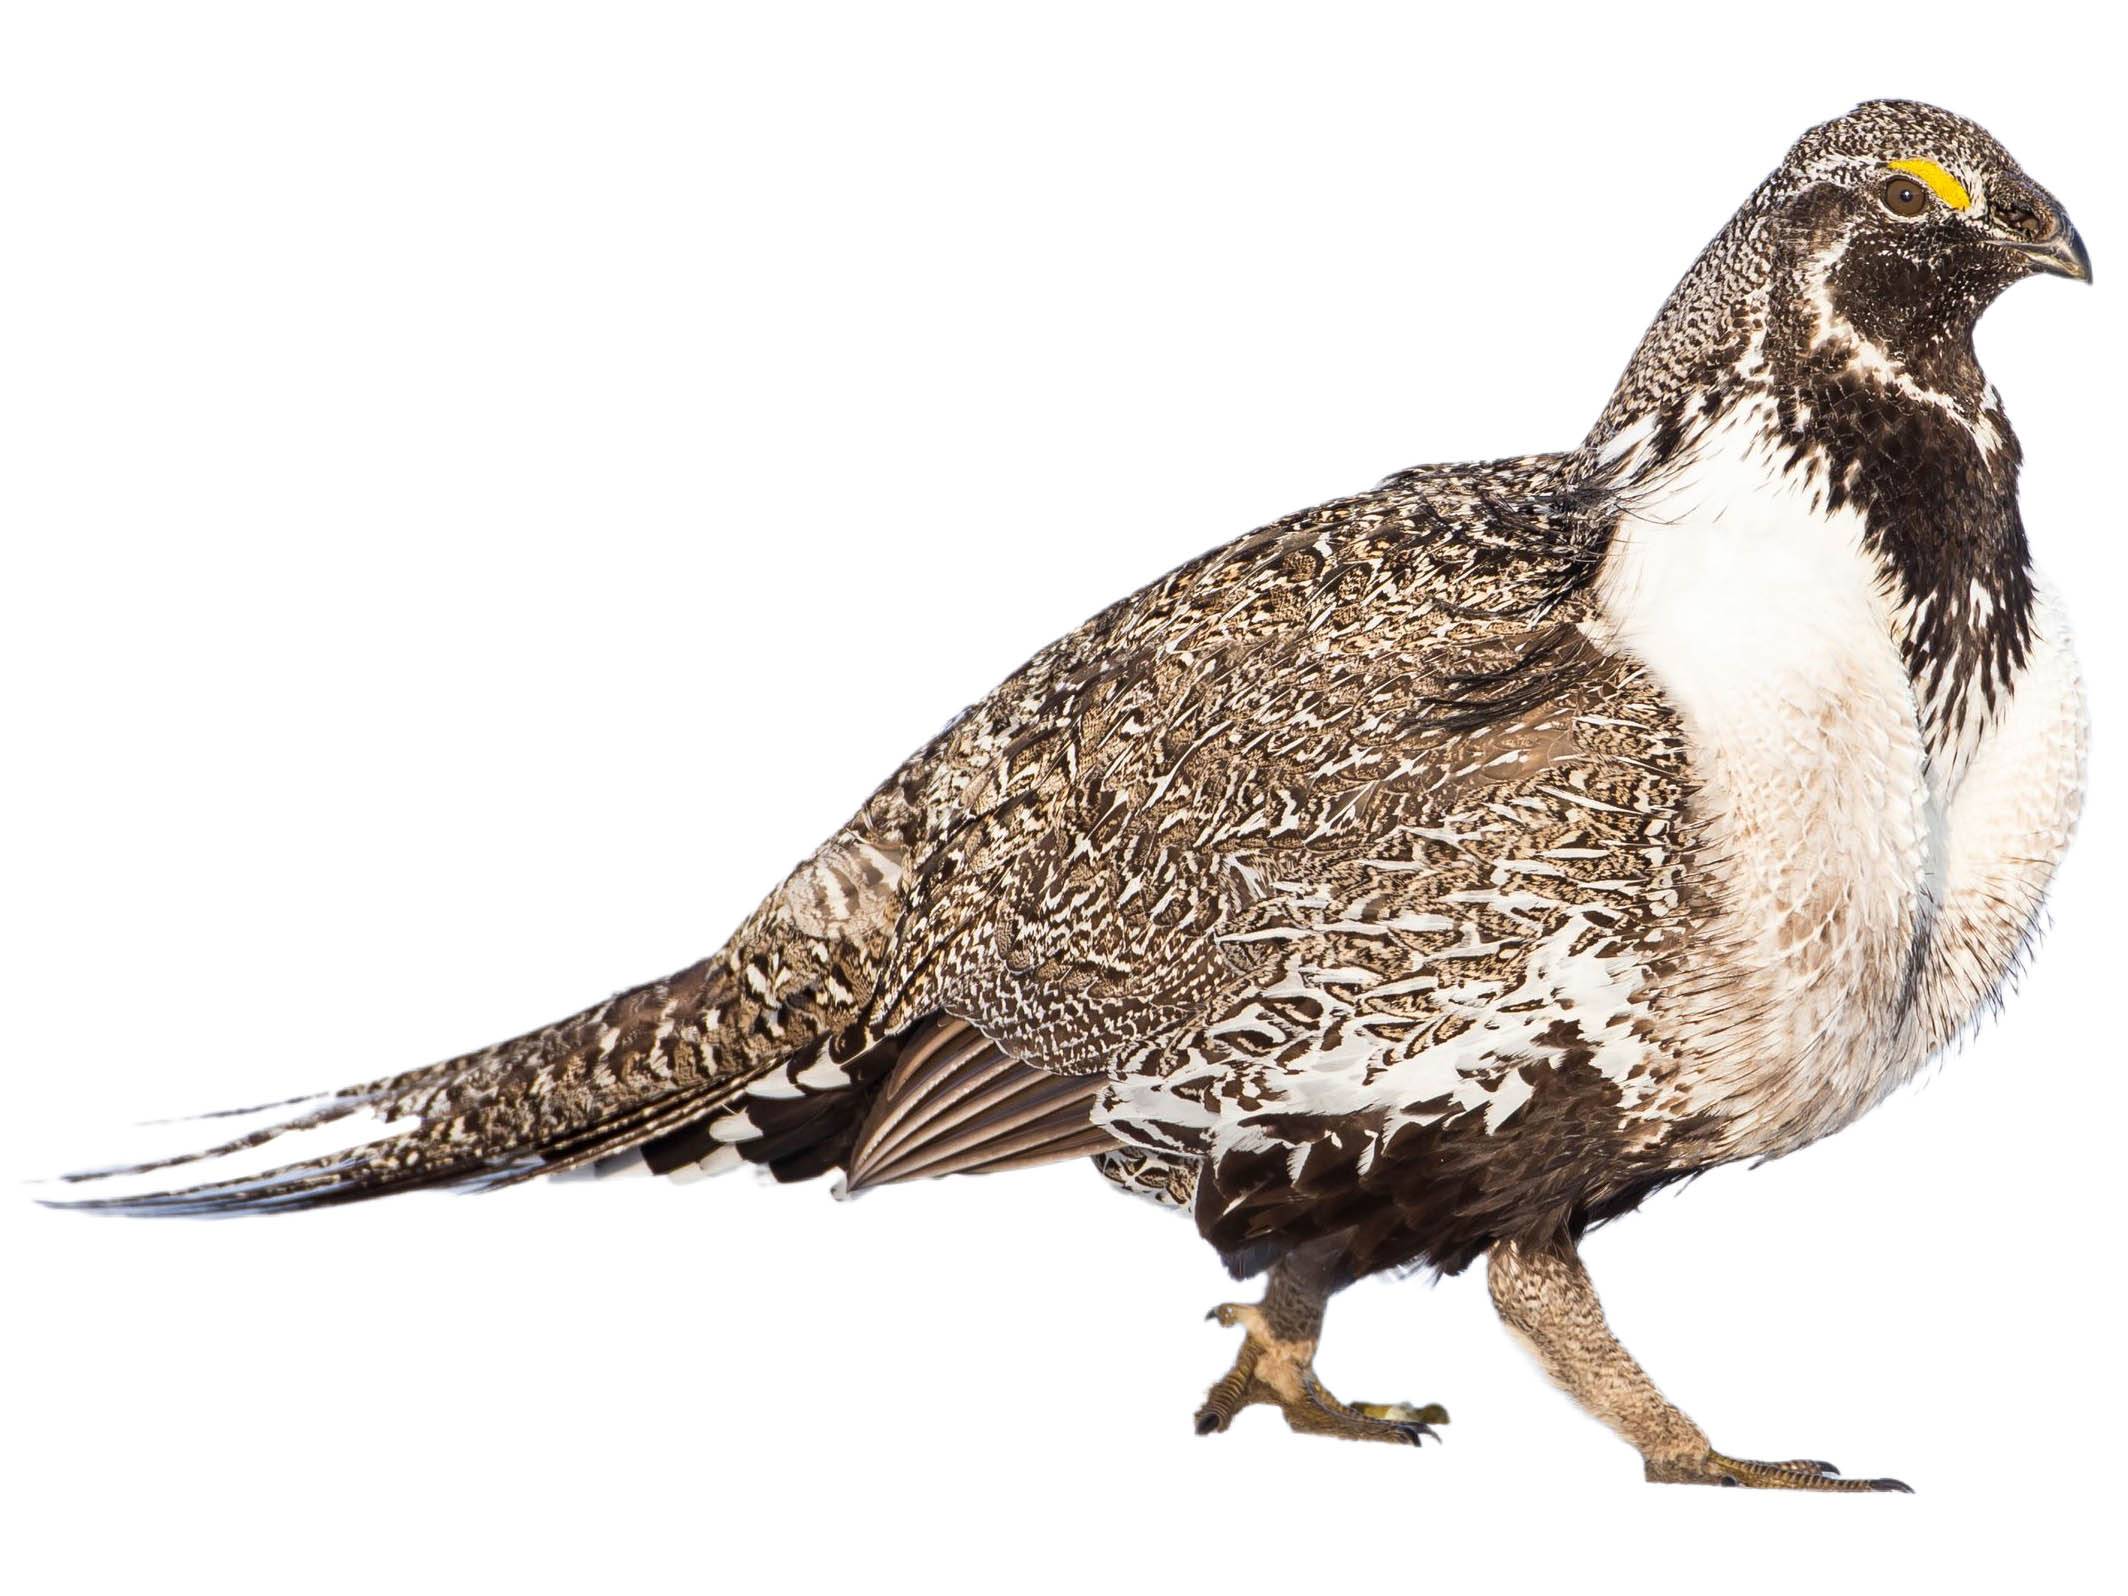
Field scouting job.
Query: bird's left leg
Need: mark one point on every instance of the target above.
(1277, 1361)
(1544, 1294)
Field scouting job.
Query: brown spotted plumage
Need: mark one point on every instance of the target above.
(1436, 872)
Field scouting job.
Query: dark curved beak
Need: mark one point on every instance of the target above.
(2061, 254)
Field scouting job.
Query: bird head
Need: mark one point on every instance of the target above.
(1900, 223)
(1874, 246)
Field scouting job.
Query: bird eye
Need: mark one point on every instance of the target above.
(1905, 197)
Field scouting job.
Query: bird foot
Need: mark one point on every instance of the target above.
(1797, 1474)
(1281, 1373)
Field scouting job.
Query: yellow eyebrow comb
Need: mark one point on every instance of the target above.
(1940, 183)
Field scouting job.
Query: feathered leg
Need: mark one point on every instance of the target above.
(1277, 1362)
(1544, 1294)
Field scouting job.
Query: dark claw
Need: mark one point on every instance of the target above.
(1209, 1422)
(1822, 1468)
(1891, 1485)
(1416, 1432)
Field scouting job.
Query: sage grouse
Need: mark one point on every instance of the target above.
(1438, 872)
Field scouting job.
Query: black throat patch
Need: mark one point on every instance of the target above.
(1933, 470)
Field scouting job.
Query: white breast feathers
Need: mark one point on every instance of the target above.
(1767, 623)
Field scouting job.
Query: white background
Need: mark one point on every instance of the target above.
(486, 489)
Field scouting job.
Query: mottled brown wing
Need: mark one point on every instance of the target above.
(1097, 825)
(1262, 846)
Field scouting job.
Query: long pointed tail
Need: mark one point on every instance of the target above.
(669, 1064)
(639, 1065)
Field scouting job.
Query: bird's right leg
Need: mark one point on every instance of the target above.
(1544, 1294)
(1276, 1364)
